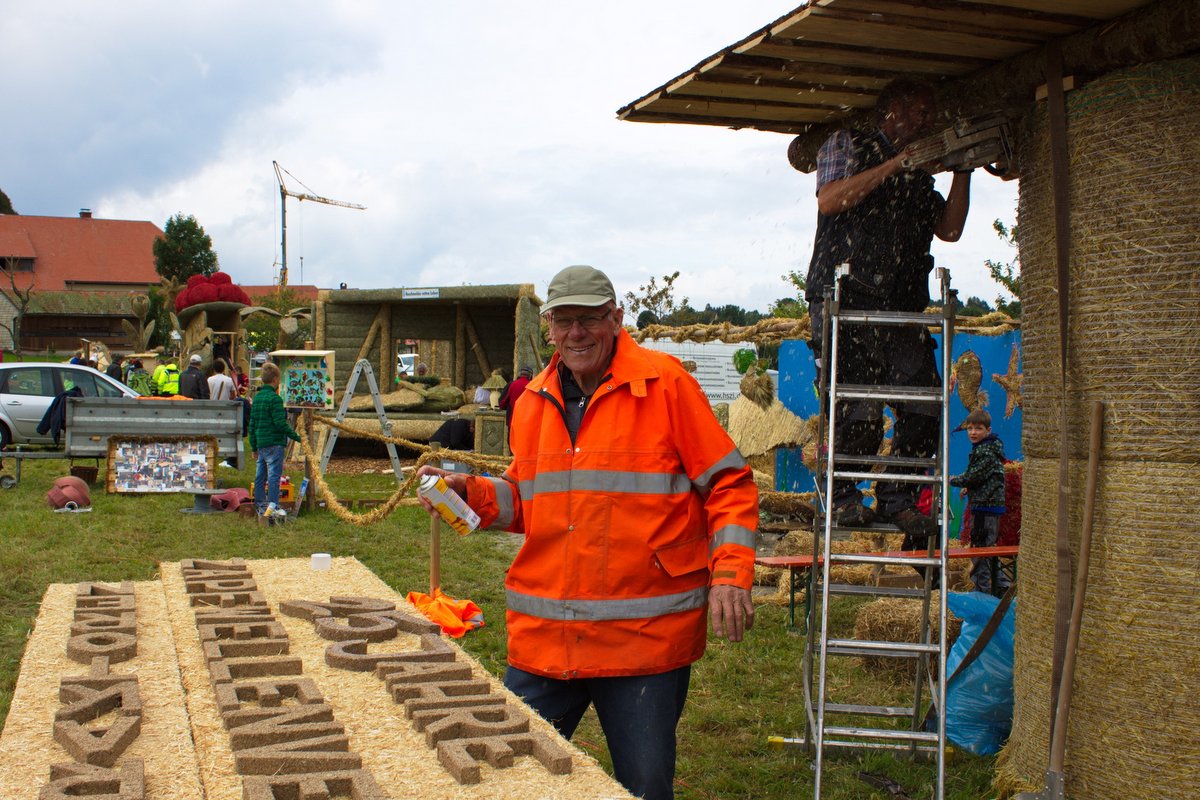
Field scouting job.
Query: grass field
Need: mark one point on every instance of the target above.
(741, 694)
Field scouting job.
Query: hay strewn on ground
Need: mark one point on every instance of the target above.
(27, 747)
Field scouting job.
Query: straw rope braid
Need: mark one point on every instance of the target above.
(777, 502)
(428, 455)
(774, 329)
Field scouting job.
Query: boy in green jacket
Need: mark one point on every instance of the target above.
(269, 432)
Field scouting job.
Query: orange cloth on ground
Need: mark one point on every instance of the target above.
(455, 617)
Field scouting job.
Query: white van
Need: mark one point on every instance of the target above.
(406, 364)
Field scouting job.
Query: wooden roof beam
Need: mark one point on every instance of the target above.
(1168, 29)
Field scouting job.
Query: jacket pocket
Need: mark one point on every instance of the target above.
(683, 558)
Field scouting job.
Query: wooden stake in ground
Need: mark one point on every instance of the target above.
(435, 541)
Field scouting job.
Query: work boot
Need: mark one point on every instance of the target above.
(914, 524)
(854, 515)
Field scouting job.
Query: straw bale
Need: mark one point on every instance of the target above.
(899, 620)
(767, 576)
(27, 746)
(787, 503)
(1141, 616)
(763, 472)
(756, 430)
(1134, 312)
(1135, 266)
(412, 429)
(399, 400)
(394, 752)
(443, 398)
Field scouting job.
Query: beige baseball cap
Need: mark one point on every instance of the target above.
(579, 285)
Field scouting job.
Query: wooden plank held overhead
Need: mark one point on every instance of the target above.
(826, 61)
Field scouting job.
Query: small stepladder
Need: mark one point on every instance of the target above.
(857, 726)
(385, 425)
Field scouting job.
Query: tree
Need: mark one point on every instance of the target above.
(788, 308)
(20, 299)
(792, 307)
(1007, 275)
(285, 326)
(658, 300)
(184, 250)
(974, 307)
(6, 206)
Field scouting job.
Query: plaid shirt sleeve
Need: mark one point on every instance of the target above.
(835, 159)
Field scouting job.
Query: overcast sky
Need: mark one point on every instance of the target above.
(481, 136)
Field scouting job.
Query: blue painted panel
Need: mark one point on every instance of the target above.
(797, 393)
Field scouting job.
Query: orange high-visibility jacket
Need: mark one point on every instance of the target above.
(624, 530)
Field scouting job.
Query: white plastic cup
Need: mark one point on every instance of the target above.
(321, 561)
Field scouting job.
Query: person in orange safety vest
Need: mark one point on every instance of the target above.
(639, 515)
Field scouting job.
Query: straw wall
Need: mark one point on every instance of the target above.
(1134, 343)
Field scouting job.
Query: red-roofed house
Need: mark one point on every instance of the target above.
(81, 270)
(303, 292)
(79, 253)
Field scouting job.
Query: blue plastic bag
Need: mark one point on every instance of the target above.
(979, 701)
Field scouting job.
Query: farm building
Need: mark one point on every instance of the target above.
(461, 333)
(1102, 98)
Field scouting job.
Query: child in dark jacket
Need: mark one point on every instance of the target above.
(983, 485)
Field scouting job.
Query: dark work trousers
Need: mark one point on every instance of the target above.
(638, 713)
(986, 573)
(883, 355)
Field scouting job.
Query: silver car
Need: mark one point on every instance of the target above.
(28, 388)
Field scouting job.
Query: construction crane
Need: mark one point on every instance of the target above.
(284, 193)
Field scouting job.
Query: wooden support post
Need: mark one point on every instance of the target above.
(485, 366)
(318, 323)
(369, 340)
(387, 348)
(310, 498)
(435, 542)
(460, 346)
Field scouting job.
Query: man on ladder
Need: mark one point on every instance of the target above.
(880, 217)
(877, 219)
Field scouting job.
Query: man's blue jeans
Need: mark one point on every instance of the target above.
(638, 714)
(266, 476)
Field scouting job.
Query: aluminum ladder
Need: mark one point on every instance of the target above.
(385, 425)
(847, 724)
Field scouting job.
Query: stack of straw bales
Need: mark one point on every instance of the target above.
(1132, 338)
(899, 620)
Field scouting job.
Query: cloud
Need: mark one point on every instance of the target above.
(482, 138)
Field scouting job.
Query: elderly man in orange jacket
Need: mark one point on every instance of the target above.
(639, 515)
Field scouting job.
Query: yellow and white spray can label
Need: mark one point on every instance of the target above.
(449, 505)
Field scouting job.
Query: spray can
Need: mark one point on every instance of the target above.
(449, 505)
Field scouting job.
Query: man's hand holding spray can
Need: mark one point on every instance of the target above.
(441, 492)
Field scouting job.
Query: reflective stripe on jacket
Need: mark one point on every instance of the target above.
(626, 529)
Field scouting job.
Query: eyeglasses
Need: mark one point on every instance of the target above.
(590, 322)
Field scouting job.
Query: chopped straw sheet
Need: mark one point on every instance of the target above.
(391, 748)
(27, 747)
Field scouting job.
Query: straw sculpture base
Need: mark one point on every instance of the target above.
(207, 731)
